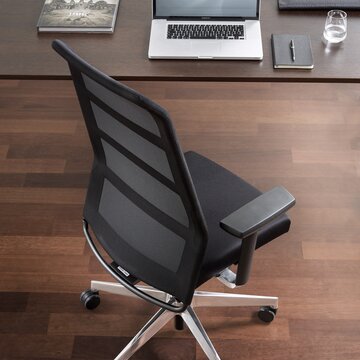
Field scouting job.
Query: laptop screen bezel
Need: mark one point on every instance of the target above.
(207, 17)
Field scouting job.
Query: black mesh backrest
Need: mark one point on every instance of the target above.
(141, 202)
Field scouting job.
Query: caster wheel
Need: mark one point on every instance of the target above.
(90, 299)
(267, 314)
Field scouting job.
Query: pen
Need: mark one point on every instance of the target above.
(292, 49)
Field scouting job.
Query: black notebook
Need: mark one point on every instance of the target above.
(318, 4)
(291, 51)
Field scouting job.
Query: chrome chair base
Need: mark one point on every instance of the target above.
(158, 321)
(162, 317)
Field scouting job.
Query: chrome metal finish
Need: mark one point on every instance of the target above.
(214, 299)
(228, 278)
(114, 288)
(199, 333)
(158, 321)
(163, 316)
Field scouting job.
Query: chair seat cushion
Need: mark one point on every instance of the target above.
(221, 192)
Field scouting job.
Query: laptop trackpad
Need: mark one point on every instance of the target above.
(205, 47)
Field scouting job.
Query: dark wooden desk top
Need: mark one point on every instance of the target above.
(123, 55)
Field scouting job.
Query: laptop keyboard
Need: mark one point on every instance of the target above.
(200, 31)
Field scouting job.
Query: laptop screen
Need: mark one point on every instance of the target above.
(248, 9)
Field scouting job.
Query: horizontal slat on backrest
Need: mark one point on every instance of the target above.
(138, 229)
(145, 185)
(129, 110)
(136, 144)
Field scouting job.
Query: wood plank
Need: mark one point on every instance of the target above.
(324, 288)
(42, 196)
(3, 151)
(34, 225)
(52, 283)
(37, 264)
(32, 166)
(37, 126)
(41, 245)
(104, 348)
(8, 84)
(23, 323)
(331, 251)
(323, 157)
(57, 180)
(44, 210)
(36, 346)
(69, 303)
(13, 301)
(284, 350)
(41, 220)
(282, 267)
(92, 324)
(47, 139)
(44, 151)
(14, 180)
(326, 329)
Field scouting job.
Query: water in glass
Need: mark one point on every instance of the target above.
(335, 26)
(335, 33)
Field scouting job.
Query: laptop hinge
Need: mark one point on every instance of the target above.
(204, 18)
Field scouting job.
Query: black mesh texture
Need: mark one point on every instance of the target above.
(123, 106)
(141, 203)
(145, 185)
(145, 150)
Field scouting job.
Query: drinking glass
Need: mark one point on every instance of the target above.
(335, 26)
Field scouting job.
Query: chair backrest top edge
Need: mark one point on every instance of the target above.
(101, 77)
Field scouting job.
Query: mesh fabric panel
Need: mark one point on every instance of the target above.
(145, 185)
(158, 243)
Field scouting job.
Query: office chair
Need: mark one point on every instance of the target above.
(168, 219)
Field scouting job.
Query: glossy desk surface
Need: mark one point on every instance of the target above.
(123, 55)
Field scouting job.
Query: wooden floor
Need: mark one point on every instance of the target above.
(305, 137)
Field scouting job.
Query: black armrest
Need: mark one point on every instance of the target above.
(255, 214)
(249, 219)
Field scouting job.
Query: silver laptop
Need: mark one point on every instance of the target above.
(206, 29)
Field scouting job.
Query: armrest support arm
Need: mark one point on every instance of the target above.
(250, 218)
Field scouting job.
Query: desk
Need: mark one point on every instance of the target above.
(123, 55)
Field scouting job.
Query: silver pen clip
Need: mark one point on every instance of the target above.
(292, 49)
